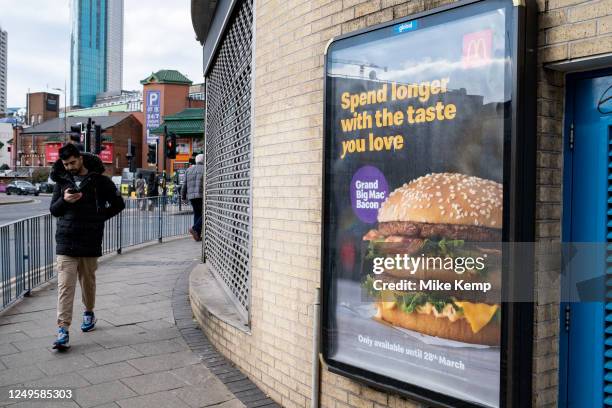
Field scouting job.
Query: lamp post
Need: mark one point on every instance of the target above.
(65, 107)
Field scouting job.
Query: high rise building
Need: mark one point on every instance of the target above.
(96, 55)
(3, 54)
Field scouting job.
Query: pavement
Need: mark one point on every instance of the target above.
(146, 350)
(4, 199)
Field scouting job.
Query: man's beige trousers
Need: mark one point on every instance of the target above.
(69, 269)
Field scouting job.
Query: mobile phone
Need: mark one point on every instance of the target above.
(72, 191)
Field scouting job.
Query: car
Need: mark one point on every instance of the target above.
(45, 187)
(21, 188)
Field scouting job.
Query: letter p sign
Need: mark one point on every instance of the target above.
(153, 98)
(477, 48)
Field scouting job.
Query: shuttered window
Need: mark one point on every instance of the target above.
(228, 159)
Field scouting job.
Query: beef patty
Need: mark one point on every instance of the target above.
(448, 231)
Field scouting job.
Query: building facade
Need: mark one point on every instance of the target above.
(114, 46)
(3, 69)
(96, 53)
(265, 136)
(6, 134)
(166, 92)
(41, 106)
(37, 146)
(188, 126)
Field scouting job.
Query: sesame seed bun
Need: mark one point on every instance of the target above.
(446, 198)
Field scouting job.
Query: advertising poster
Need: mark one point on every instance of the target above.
(417, 123)
(183, 150)
(152, 114)
(52, 152)
(106, 155)
(52, 103)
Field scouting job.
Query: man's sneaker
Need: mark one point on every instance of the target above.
(63, 339)
(89, 321)
(194, 234)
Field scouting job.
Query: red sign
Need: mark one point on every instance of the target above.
(477, 48)
(52, 152)
(106, 155)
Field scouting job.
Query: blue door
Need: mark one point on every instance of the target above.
(586, 343)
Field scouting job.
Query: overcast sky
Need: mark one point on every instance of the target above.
(157, 35)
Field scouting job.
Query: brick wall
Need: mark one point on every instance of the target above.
(287, 144)
(130, 128)
(37, 105)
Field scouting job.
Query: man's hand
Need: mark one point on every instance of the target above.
(72, 198)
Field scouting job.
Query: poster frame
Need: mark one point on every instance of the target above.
(519, 226)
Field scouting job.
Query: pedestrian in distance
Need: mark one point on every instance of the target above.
(140, 191)
(83, 199)
(193, 190)
(152, 191)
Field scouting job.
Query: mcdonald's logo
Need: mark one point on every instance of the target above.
(477, 48)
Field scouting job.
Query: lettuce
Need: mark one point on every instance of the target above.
(408, 302)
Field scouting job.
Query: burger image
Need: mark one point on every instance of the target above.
(441, 217)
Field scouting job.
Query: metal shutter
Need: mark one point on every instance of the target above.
(228, 159)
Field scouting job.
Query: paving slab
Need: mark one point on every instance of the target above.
(155, 382)
(45, 404)
(114, 355)
(18, 375)
(153, 348)
(8, 348)
(102, 393)
(200, 396)
(165, 362)
(165, 399)
(63, 364)
(64, 381)
(109, 372)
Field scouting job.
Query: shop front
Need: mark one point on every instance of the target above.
(439, 172)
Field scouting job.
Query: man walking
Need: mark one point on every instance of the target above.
(140, 191)
(193, 190)
(152, 191)
(83, 199)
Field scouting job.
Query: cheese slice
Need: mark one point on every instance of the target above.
(478, 315)
(388, 300)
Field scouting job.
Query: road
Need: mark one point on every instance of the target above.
(13, 212)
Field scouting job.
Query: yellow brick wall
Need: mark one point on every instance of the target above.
(574, 28)
(290, 38)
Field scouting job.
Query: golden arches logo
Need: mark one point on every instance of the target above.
(477, 48)
(476, 52)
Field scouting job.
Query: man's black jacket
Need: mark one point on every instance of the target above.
(80, 225)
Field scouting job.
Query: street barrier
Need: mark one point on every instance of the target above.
(27, 247)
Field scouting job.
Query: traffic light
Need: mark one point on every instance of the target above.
(98, 146)
(131, 156)
(171, 146)
(152, 154)
(76, 133)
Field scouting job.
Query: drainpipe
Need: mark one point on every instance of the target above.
(316, 342)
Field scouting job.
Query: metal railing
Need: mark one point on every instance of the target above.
(27, 247)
